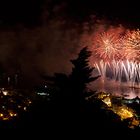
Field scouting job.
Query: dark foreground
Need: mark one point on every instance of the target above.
(53, 118)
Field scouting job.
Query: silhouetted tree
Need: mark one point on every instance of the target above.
(61, 82)
(72, 89)
(81, 74)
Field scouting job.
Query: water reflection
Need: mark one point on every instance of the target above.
(113, 87)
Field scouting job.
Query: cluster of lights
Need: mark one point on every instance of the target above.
(105, 98)
(12, 104)
(123, 111)
(7, 116)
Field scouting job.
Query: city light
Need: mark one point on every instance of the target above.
(121, 110)
(12, 104)
(5, 93)
(124, 112)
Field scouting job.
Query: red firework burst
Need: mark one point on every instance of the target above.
(108, 46)
(132, 45)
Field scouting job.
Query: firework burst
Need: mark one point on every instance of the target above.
(108, 46)
(117, 56)
(132, 45)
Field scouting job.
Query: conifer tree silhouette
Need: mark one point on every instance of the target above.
(72, 88)
(81, 74)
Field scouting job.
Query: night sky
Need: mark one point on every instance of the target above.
(41, 36)
(28, 12)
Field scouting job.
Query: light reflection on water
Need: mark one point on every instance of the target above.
(115, 88)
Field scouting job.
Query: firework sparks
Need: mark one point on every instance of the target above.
(119, 54)
(134, 39)
(108, 47)
(132, 45)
